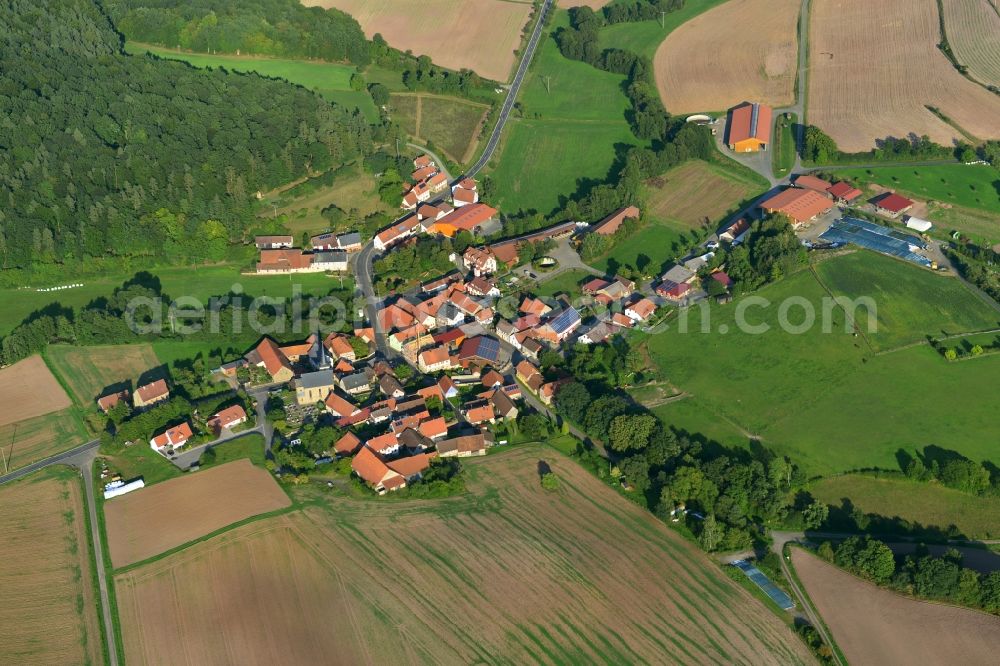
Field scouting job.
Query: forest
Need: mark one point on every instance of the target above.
(112, 157)
(283, 28)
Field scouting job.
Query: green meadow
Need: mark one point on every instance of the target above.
(201, 282)
(930, 504)
(824, 398)
(572, 127)
(910, 303)
(971, 186)
(330, 80)
(645, 37)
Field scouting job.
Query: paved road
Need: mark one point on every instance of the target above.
(64, 458)
(85, 461)
(512, 92)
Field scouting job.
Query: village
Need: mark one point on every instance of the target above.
(461, 352)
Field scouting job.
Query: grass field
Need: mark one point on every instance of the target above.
(574, 128)
(970, 186)
(696, 194)
(783, 155)
(911, 304)
(202, 282)
(140, 460)
(544, 162)
(89, 371)
(654, 246)
(448, 123)
(568, 283)
(824, 398)
(49, 609)
(144, 524)
(644, 37)
(29, 389)
(250, 447)
(30, 440)
(931, 505)
(713, 61)
(875, 626)
(418, 578)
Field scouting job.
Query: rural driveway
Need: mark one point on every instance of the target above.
(515, 86)
(193, 455)
(437, 160)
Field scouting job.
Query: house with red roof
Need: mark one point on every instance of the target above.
(749, 128)
(348, 445)
(268, 355)
(150, 394)
(172, 438)
(111, 400)
(471, 218)
(435, 359)
(433, 428)
(640, 310)
(227, 418)
(284, 261)
(807, 182)
(384, 445)
(478, 412)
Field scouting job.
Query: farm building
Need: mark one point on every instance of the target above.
(892, 204)
(268, 356)
(273, 242)
(808, 182)
(844, 192)
(612, 223)
(472, 218)
(798, 204)
(749, 128)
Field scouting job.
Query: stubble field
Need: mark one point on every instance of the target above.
(973, 29)
(877, 626)
(88, 371)
(856, 103)
(49, 609)
(153, 520)
(480, 35)
(697, 193)
(507, 574)
(451, 124)
(27, 441)
(716, 60)
(28, 389)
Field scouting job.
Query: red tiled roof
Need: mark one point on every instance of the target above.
(844, 190)
(812, 183)
(467, 218)
(431, 357)
(893, 202)
(339, 406)
(271, 260)
(740, 125)
(613, 222)
(369, 467)
(800, 205)
(433, 427)
(230, 416)
(175, 436)
(107, 402)
(382, 442)
(412, 465)
(272, 357)
(153, 390)
(347, 445)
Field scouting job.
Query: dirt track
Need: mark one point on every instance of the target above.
(150, 521)
(29, 389)
(876, 626)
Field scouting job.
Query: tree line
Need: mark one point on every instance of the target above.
(676, 474)
(110, 156)
(105, 322)
(283, 28)
(939, 578)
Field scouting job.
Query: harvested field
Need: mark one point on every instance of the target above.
(856, 103)
(593, 4)
(88, 371)
(697, 193)
(714, 62)
(480, 35)
(507, 573)
(49, 609)
(153, 520)
(25, 442)
(875, 626)
(451, 124)
(973, 29)
(28, 389)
